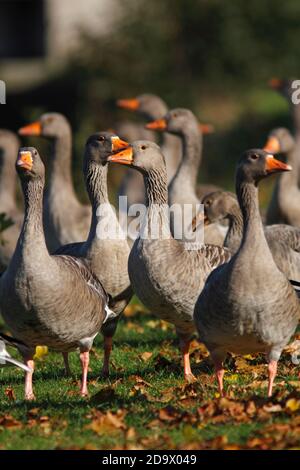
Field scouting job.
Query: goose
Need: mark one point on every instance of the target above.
(165, 274)
(152, 107)
(46, 299)
(248, 305)
(66, 219)
(182, 188)
(5, 357)
(132, 184)
(283, 240)
(284, 207)
(9, 145)
(107, 257)
(289, 89)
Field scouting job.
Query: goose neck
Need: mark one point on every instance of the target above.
(157, 216)
(60, 164)
(32, 230)
(235, 229)
(253, 233)
(96, 184)
(191, 158)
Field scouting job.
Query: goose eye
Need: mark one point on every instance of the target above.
(143, 147)
(100, 139)
(207, 203)
(175, 115)
(35, 152)
(254, 156)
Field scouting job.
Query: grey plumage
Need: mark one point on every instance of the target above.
(5, 358)
(283, 240)
(284, 207)
(51, 300)
(166, 277)
(183, 187)
(66, 219)
(248, 305)
(9, 145)
(106, 257)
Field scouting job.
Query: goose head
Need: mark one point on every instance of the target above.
(256, 164)
(217, 205)
(50, 125)
(179, 121)
(280, 140)
(148, 105)
(102, 144)
(144, 156)
(29, 164)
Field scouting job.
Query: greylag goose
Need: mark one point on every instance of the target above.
(5, 357)
(152, 107)
(9, 145)
(51, 300)
(166, 276)
(66, 219)
(284, 207)
(248, 305)
(132, 184)
(283, 240)
(182, 188)
(107, 257)
(289, 89)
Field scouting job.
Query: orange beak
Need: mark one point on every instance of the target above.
(275, 83)
(272, 145)
(118, 144)
(24, 160)
(31, 129)
(132, 104)
(206, 128)
(125, 157)
(274, 166)
(158, 125)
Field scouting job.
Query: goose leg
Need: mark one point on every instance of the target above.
(272, 370)
(29, 395)
(184, 345)
(219, 370)
(85, 359)
(68, 372)
(107, 350)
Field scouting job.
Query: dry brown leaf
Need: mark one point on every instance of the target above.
(103, 423)
(9, 392)
(167, 414)
(9, 422)
(145, 356)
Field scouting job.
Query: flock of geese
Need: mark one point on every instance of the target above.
(62, 283)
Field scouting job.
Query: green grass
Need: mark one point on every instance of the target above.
(145, 403)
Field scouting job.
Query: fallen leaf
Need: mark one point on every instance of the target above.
(146, 356)
(292, 404)
(9, 392)
(9, 422)
(40, 352)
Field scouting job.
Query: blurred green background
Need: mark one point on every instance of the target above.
(212, 56)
